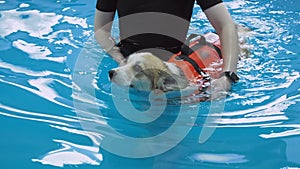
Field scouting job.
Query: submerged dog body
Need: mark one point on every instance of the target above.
(146, 72)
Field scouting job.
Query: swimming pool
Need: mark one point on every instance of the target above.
(42, 127)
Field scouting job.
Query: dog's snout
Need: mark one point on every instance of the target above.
(111, 73)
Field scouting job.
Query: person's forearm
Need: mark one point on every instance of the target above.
(108, 44)
(102, 28)
(221, 20)
(230, 48)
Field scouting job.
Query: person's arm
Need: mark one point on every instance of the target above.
(102, 28)
(221, 20)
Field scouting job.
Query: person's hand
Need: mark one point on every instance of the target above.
(117, 55)
(122, 62)
(219, 88)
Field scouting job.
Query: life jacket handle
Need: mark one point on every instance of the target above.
(187, 50)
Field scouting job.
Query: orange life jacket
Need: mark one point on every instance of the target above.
(197, 61)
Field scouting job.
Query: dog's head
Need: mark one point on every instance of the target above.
(146, 72)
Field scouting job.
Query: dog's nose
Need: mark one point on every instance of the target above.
(111, 73)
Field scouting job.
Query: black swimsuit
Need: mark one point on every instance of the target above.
(146, 24)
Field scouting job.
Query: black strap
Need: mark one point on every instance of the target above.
(186, 51)
(218, 50)
(185, 48)
(193, 63)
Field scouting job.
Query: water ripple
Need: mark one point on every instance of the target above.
(34, 60)
(34, 116)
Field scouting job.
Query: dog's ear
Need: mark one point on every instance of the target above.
(170, 83)
(164, 80)
(166, 83)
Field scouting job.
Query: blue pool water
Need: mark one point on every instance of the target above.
(41, 126)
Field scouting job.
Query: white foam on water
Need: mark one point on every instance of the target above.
(34, 22)
(76, 21)
(71, 154)
(40, 25)
(24, 5)
(218, 158)
(37, 52)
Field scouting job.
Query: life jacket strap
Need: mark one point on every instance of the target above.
(194, 64)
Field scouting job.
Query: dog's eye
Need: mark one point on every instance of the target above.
(137, 68)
